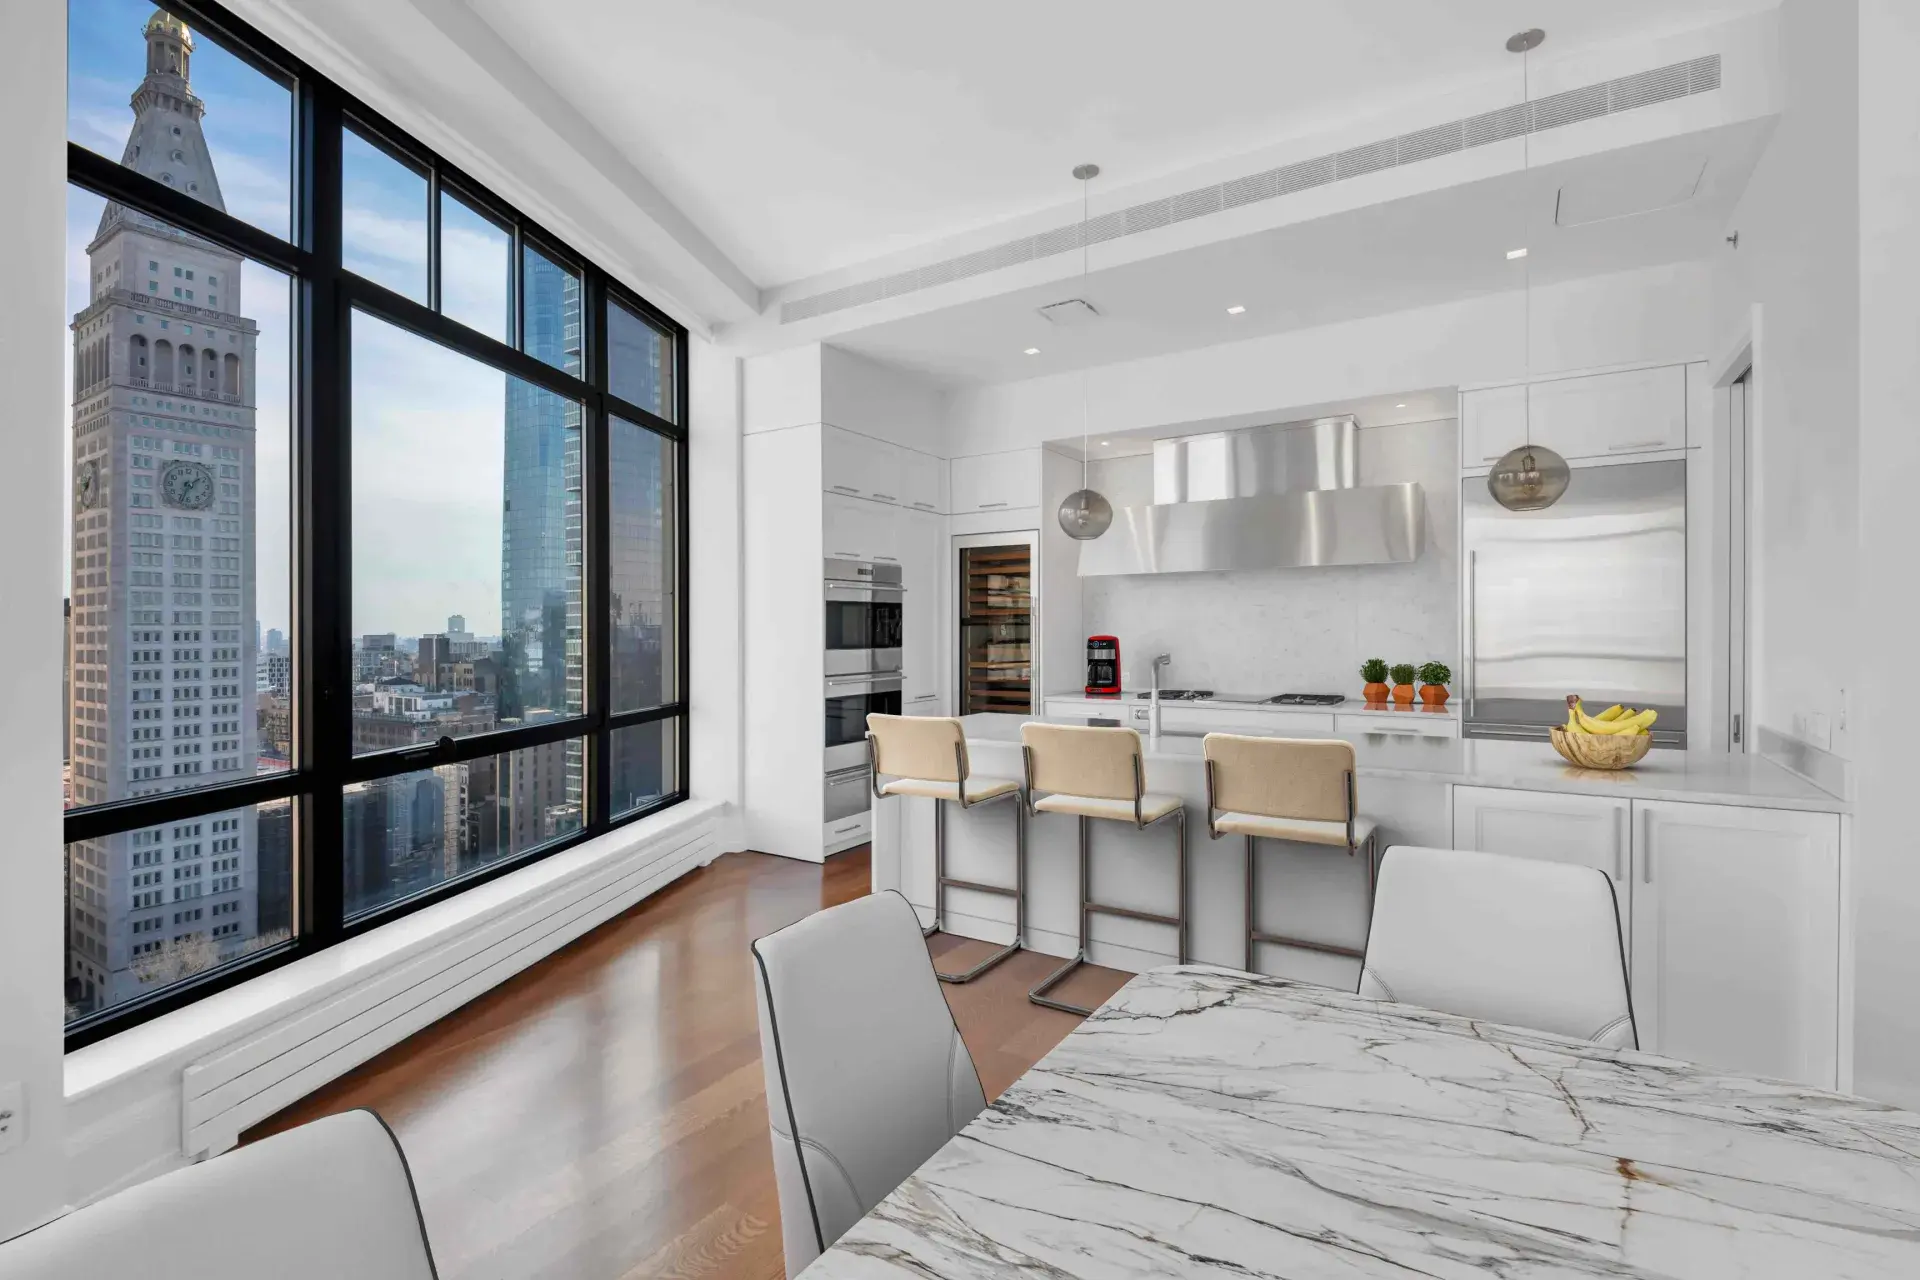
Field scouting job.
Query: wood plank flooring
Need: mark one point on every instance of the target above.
(603, 1113)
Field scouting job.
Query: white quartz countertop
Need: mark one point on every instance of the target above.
(1254, 702)
(1697, 777)
(1210, 1124)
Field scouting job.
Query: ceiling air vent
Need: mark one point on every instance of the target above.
(1662, 84)
(1070, 314)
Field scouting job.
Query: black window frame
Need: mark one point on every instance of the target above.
(325, 297)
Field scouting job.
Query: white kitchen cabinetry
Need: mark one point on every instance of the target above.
(1584, 831)
(995, 481)
(923, 544)
(1612, 413)
(1597, 416)
(860, 529)
(923, 482)
(1412, 724)
(1736, 943)
(859, 466)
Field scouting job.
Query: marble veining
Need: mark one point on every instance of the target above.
(1210, 1123)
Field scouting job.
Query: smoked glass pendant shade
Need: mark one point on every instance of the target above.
(1085, 514)
(1530, 478)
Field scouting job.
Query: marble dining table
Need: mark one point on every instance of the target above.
(1206, 1122)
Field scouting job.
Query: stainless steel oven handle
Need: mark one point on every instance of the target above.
(876, 678)
(893, 588)
(1466, 659)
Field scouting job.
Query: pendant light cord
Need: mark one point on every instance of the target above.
(1086, 375)
(1526, 230)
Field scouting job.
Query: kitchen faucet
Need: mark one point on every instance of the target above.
(1153, 714)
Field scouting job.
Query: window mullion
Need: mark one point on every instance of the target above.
(598, 620)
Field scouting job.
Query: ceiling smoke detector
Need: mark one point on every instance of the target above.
(1068, 314)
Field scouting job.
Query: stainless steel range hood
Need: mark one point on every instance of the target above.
(1279, 497)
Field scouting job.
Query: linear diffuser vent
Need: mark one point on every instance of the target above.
(1662, 84)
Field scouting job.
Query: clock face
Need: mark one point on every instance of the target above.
(86, 485)
(188, 485)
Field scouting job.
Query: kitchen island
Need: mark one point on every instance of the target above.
(1727, 868)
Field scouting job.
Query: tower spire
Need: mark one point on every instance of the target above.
(166, 142)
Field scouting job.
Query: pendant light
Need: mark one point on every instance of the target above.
(1086, 513)
(1531, 477)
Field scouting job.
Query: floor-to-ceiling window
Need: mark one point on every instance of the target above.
(377, 522)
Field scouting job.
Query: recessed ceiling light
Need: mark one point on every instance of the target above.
(1515, 253)
(1234, 311)
(1399, 406)
(1033, 351)
(1105, 443)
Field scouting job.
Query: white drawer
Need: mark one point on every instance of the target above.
(1412, 725)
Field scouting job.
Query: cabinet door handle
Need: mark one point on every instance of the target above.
(845, 488)
(986, 505)
(1494, 457)
(846, 555)
(1646, 848)
(851, 826)
(1636, 444)
(925, 697)
(886, 497)
(1620, 842)
(893, 559)
(924, 506)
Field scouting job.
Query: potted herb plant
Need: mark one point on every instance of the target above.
(1434, 679)
(1402, 674)
(1374, 672)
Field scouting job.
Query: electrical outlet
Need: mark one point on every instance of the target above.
(13, 1115)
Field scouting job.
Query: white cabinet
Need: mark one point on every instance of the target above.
(1585, 831)
(995, 481)
(1491, 422)
(923, 481)
(859, 466)
(1736, 944)
(923, 544)
(1597, 416)
(1412, 724)
(859, 529)
(1612, 413)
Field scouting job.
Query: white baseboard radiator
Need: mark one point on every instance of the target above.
(247, 1080)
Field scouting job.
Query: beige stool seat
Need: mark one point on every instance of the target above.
(978, 789)
(1153, 807)
(1091, 773)
(1305, 830)
(926, 756)
(1286, 789)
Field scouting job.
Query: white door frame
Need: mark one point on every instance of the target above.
(1736, 427)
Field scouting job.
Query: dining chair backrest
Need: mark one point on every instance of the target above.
(1083, 760)
(328, 1199)
(1502, 939)
(866, 1073)
(926, 747)
(1304, 779)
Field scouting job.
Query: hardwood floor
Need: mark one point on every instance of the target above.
(603, 1113)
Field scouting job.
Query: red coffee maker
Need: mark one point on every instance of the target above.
(1103, 665)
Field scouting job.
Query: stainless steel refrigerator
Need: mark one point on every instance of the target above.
(1588, 596)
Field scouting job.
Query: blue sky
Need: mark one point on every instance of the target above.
(428, 424)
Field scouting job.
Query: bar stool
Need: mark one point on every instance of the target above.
(1285, 789)
(927, 756)
(1093, 773)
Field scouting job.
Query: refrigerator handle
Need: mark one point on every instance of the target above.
(1466, 658)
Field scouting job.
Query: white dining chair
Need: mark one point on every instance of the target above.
(867, 1075)
(1502, 939)
(329, 1199)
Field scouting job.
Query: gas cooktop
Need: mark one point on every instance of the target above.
(1178, 695)
(1308, 699)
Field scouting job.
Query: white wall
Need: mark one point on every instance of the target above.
(1293, 630)
(1886, 846)
(809, 384)
(1798, 260)
(33, 336)
(713, 586)
(1658, 314)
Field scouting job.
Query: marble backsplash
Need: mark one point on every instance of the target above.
(1294, 630)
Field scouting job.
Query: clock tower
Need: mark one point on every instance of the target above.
(162, 652)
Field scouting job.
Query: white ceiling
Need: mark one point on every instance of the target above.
(805, 137)
(1419, 251)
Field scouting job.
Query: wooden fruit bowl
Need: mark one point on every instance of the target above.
(1600, 750)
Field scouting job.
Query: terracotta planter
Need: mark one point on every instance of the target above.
(1376, 692)
(1434, 695)
(1403, 694)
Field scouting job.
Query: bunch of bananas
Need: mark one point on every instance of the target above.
(1615, 720)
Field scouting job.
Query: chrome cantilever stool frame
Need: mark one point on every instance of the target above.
(1140, 806)
(1312, 820)
(941, 880)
